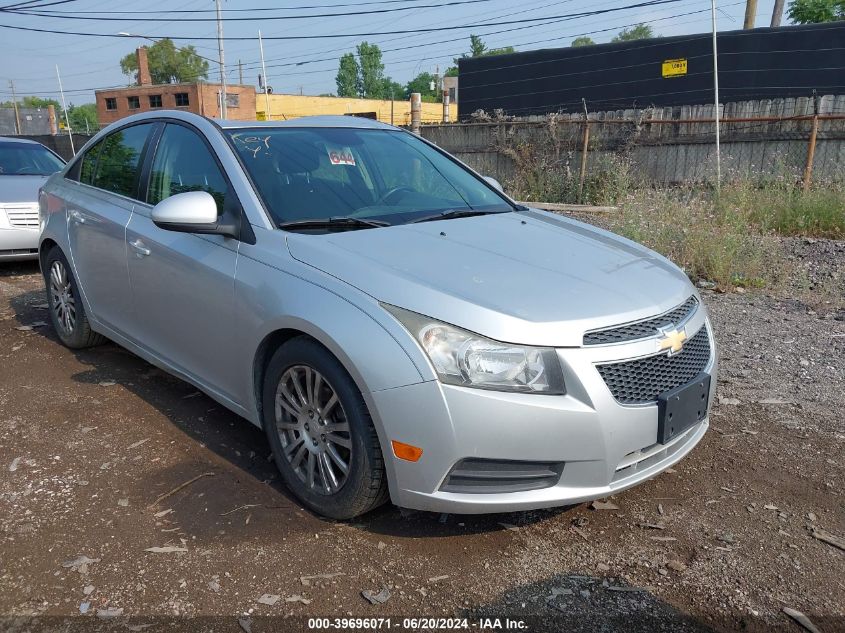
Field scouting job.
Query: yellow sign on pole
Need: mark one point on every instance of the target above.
(674, 67)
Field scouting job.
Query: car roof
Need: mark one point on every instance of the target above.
(17, 139)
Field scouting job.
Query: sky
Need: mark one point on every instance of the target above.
(87, 63)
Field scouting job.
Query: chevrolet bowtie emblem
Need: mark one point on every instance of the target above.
(671, 339)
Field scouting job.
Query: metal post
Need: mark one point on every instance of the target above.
(811, 148)
(777, 13)
(266, 83)
(15, 103)
(221, 60)
(416, 106)
(64, 106)
(716, 94)
(391, 105)
(584, 148)
(750, 13)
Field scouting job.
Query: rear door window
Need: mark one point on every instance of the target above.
(89, 164)
(119, 160)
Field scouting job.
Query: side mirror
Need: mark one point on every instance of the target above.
(189, 212)
(494, 183)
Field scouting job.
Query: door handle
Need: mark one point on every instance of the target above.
(77, 217)
(139, 247)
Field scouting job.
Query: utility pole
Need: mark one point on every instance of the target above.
(750, 13)
(777, 13)
(416, 107)
(716, 93)
(221, 60)
(15, 103)
(64, 105)
(266, 83)
(240, 72)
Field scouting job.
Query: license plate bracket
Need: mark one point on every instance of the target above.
(682, 407)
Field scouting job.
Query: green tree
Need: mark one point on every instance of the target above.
(348, 77)
(371, 70)
(39, 102)
(815, 11)
(639, 32)
(83, 118)
(477, 48)
(422, 84)
(583, 41)
(361, 74)
(393, 89)
(168, 64)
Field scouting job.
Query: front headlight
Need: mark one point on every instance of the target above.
(463, 358)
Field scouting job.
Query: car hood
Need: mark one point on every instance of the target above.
(19, 189)
(529, 277)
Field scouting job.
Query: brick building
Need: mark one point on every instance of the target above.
(198, 97)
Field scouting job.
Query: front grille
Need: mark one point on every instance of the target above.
(642, 329)
(22, 217)
(640, 381)
(490, 476)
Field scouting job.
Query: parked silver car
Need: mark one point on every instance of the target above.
(24, 167)
(397, 325)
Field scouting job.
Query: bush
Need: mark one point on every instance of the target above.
(785, 209)
(682, 226)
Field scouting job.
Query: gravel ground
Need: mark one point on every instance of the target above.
(103, 458)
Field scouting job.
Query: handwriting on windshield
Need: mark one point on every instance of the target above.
(255, 144)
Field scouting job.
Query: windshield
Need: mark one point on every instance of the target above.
(385, 175)
(25, 159)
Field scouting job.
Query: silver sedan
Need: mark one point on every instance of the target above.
(398, 326)
(24, 167)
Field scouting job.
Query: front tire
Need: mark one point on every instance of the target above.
(321, 433)
(67, 313)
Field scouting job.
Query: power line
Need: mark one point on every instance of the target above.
(31, 5)
(241, 10)
(586, 52)
(67, 16)
(543, 41)
(449, 41)
(565, 16)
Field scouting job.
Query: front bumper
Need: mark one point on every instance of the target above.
(605, 447)
(17, 244)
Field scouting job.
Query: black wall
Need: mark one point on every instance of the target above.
(759, 64)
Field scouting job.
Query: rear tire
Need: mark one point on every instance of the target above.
(67, 313)
(321, 433)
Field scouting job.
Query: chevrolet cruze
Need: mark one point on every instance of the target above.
(398, 326)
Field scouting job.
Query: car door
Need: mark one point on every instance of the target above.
(99, 206)
(183, 283)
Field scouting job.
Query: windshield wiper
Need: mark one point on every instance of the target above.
(330, 223)
(454, 213)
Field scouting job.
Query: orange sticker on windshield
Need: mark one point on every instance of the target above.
(341, 156)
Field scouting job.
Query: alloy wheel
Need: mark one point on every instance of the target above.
(63, 299)
(313, 429)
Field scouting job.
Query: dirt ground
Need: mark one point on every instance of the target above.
(103, 457)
